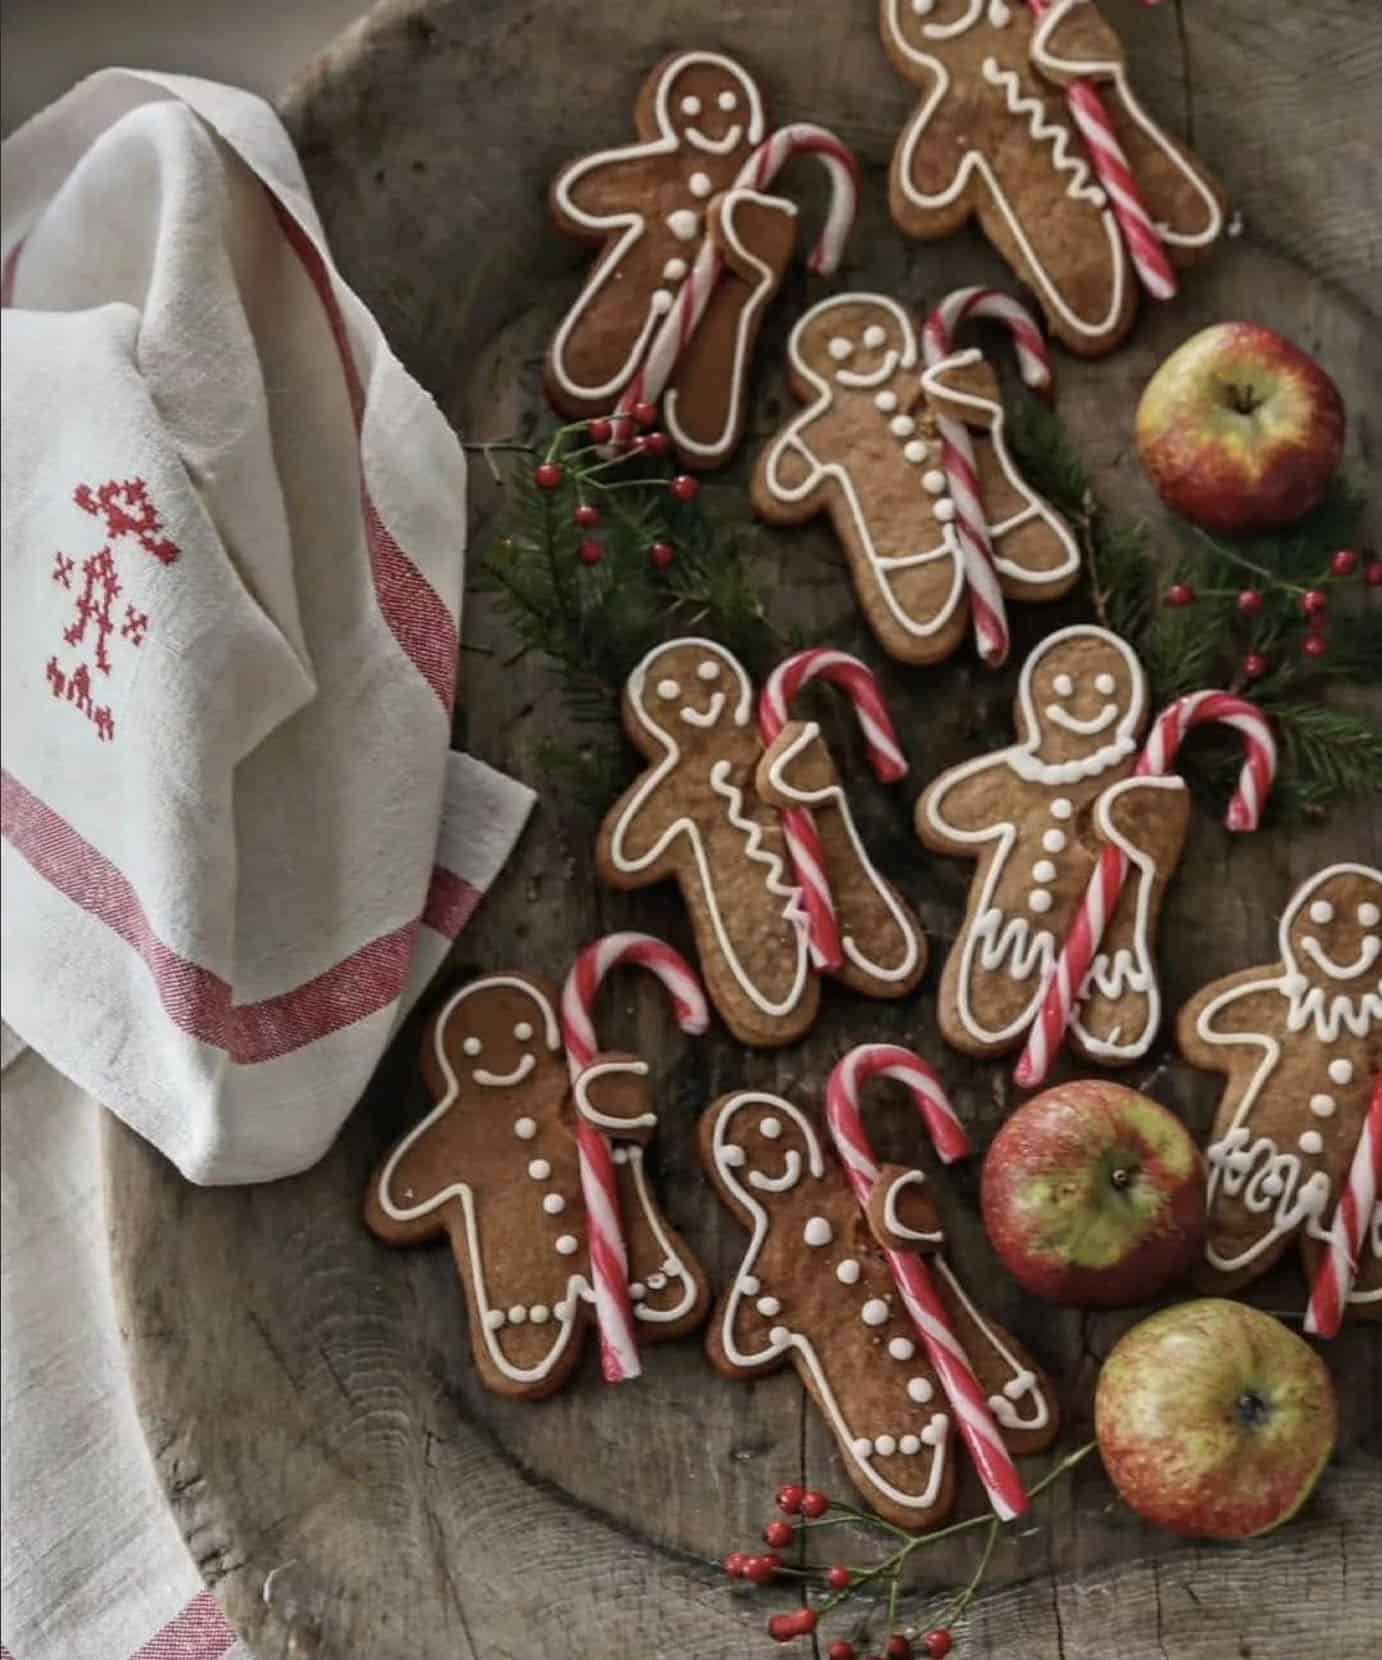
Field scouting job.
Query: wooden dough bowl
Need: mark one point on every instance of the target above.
(308, 1395)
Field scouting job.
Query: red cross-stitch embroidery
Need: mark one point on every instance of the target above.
(129, 515)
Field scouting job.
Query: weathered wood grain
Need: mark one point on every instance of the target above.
(308, 1395)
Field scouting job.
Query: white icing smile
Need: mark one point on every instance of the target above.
(858, 377)
(1343, 971)
(707, 717)
(714, 146)
(790, 1176)
(1082, 728)
(502, 1080)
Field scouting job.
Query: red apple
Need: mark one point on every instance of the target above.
(1094, 1196)
(1239, 430)
(1214, 1420)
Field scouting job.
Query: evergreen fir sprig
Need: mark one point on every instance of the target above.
(1281, 618)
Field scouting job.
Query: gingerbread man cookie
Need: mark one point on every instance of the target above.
(814, 1289)
(866, 450)
(1300, 1043)
(1036, 816)
(997, 138)
(494, 1167)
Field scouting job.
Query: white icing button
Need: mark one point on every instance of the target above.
(875, 335)
(933, 482)
(727, 102)
(886, 401)
(902, 1348)
(1053, 841)
(1322, 1106)
(674, 270)
(885, 1445)
(494, 1318)
(525, 1128)
(554, 1204)
(1105, 683)
(1039, 900)
(568, 1245)
(778, 1336)
(562, 1310)
(817, 1231)
(902, 426)
(910, 1444)
(523, 1031)
(1369, 915)
(1064, 685)
(919, 1390)
(661, 301)
(1043, 871)
(517, 1314)
(840, 348)
(638, 1291)
(861, 1447)
(1321, 911)
(1061, 808)
(683, 224)
(668, 691)
(750, 1285)
(691, 105)
(708, 670)
(768, 1306)
(874, 1312)
(1341, 1072)
(656, 1282)
(472, 1046)
(700, 184)
(539, 1314)
(771, 1128)
(733, 1156)
(539, 1170)
(916, 452)
(619, 1155)
(1311, 1142)
(847, 1272)
(943, 509)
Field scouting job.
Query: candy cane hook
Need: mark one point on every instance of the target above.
(910, 1274)
(609, 1260)
(1353, 1217)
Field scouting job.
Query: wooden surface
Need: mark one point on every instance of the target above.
(308, 1395)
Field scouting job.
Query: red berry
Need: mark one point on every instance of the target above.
(1255, 665)
(761, 1570)
(684, 487)
(591, 551)
(838, 1577)
(937, 1644)
(778, 1534)
(1344, 563)
(782, 1627)
(1250, 602)
(644, 413)
(586, 516)
(662, 554)
(599, 432)
(548, 476)
(1180, 593)
(1314, 645)
(735, 1563)
(1314, 601)
(840, 1650)
(813, 1504)
(654, 443)
(897, 1648)
(789, 1497)
(1372, 573)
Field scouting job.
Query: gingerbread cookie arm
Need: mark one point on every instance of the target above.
(1021, 1397)
(668, 1285)
(966, 806)
(790, 483)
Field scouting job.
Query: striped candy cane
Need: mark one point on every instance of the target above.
(609, 1261)
(798, 827)
(1100, 898)
(681, 322)
(1352, 1219)
(986, 603)
(1115, 174)
(911, 1275)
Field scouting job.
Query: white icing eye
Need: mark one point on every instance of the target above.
(727, 102)
(875, 335)
(523, 1031)
(1064, 685)
(472, 1046)
(733, 1156)
(923, 8)
(1369, 915)
(668, 691)
(709, 670)
(1105, 683)
(771, 1128)
(691, 106)
(840, 348)
(1321, 911)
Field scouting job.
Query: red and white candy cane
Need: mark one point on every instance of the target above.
(1352, 1220)
(609, 1260)
(1115, 174)
(681, 322)
(1106, 882)
(798, 827)
(987, 608)
(911, 1275)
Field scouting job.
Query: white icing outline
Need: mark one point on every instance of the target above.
(1233, 1156)
(1015, 937)
(648, 1204)
(504, 1080)
(1004, 1406)
(577, 1287)
(602, 1121)
(834, 795)
(688, 827)
(634, 223)
(911, 1178)
(738, 374)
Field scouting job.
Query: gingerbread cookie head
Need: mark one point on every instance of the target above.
(853, 345)
(917, 27)
(1082, 699)
(706, 103)
(688, 690)
(1331, 939)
